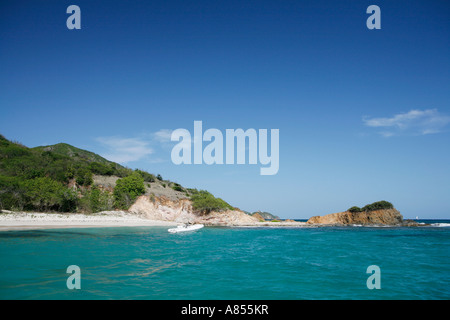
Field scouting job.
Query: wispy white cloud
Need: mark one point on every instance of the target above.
(413, 122)
(163, 135)
(123, 150)
(143, 146)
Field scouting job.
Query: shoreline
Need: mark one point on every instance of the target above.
(17, 221)
(10, 221)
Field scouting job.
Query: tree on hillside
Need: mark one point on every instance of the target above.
(96, 200)
(127, 190)
(205, 202)
(84, 177)
(44, 193)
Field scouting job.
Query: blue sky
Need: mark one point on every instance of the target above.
(364, 115)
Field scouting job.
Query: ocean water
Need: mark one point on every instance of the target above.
(227, 263)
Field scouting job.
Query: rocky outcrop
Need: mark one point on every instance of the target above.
(265, 215)
(180, 211)
(377, 217)
(162, 208)
(412, 223)
(258, 216)
(227, 218)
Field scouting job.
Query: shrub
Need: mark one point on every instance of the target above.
(123, 172)
(379, 205)
(205, 202)
(127, 190)
(12, 193)
(45, 194)
(177, 188)
(148, 177)
(101, 169)
(69, 200)
(84, 177)
(96, 200)
(191, 191)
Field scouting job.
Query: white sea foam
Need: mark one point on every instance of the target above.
(440, 224)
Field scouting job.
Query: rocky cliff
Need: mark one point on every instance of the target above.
(162, 208)
(380, 217)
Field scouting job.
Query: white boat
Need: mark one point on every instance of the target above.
(186, 227)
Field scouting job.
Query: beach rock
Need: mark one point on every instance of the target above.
(376, 217)
(180, 211)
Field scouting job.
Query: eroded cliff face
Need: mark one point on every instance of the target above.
(162, 208)
(381, 217)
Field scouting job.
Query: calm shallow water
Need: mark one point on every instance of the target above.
(226, 263)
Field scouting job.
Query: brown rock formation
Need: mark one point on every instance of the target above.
(411, 223)
(162, 208)
(383, 217)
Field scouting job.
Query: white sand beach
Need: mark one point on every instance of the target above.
(30, 220)
(10, 220)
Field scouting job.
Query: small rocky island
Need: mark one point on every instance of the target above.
(377, 213)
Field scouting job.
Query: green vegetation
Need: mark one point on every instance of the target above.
(354, 209)
(60, 178)
(77, 154)
(96, 200)
(379, 205)
(204, 202)
(177, 187)
(43, 193)
(148, 177)
(127, 190)
(102, 169)
(84, 177)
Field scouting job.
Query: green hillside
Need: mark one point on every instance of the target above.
(60, 178)
(54, 178)
(65, 149)
(60, 162)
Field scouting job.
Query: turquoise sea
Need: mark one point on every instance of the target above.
(227, 263)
